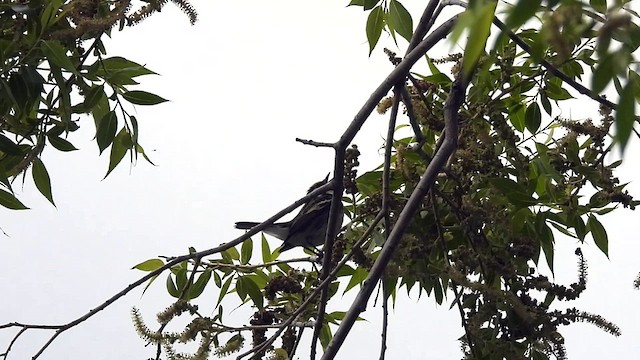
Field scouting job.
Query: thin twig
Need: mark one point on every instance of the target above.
(385, 320)
(315, 143)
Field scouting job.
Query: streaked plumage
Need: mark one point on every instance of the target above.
(308, 227)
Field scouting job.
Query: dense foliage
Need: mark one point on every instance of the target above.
(477, 181)
(53, 69)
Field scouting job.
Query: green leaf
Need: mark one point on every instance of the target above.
(182, 281)
(42, 180)
(533, 117)
(233, 253)
(523, 11)
(121, 144)
(545, 236)
(48, 16)
(101, 106)
(625, 115)
(556, 92)
(266, 251)
(142, 98)
(171, 287)
(93, 96)
(400, 19)
(106, 131)
(246, 251)
(149, 265)
(60, 143)
(603, 73)
(56, 53)
(10, 202)
(240, 288)
(65, 94)
(224, 290)
(149, 283)
(599, 234)
(9, 147)
(358, 277)
(599, 5)
(253, 291)
(369, 4)
(546, 104)
(375, 24)
(517, 116)
(479, 31)
(200, 284)
(325, 335)
(118, 64)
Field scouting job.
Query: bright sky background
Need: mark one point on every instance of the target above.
(244, 82)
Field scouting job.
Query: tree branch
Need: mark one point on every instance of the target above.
(458, 90)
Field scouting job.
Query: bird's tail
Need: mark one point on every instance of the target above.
(245, 225)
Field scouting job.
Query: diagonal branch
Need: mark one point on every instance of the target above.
(456, 97)
(59, 329)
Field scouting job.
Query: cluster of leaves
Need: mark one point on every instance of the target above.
(273, 287)
(519, 178)
(53, 70)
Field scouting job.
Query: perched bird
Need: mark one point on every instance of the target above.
(308, 228)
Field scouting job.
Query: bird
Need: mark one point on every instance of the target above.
(308, 228)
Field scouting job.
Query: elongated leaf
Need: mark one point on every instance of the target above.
(478, 33)
(253, 291)
(121, 144)
(375, 24)
(122, 65)
(93, 96)
(233, 253)
(599, 5)
(48, 16)
(325, 335)
(149, 284)
(523, 11)
(149, 265)
(9, 147)
(57, 54)
(246, 251)
(60, 143)
(241, 288)
(533, 117)
(200, 284)
(358, 277)
(400, 19)
(266, 251)
(143, 98)
(625, 115)
(10, 202)
(171, 287)
(42, 180)
(106, 131)
(224, 290)
(599, 234)
(65, 91)
(603, 73)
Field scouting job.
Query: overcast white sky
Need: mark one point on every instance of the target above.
(244, 82)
